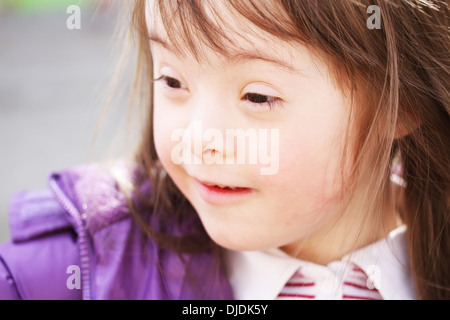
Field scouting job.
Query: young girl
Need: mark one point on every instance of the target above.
(291, 151)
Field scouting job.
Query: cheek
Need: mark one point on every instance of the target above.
(163, 127)
(162, 147)
(302, 195)
(309, 167)
(299, 190)
(314, 163)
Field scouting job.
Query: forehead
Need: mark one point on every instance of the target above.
(195, 27)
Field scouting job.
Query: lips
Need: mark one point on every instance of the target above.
(217, 193)
(223, 187)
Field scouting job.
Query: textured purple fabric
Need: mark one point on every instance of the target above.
(83, 221)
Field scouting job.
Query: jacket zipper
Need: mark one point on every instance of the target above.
(80, 223)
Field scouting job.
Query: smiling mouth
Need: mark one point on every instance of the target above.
(221, 194)
(223, 187)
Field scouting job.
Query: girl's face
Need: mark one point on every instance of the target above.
(293, 116)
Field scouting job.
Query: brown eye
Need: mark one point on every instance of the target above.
(257, 98)
(171, 82)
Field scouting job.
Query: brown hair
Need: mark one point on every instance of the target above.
(398, 79)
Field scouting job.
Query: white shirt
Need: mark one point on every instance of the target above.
(261, 275)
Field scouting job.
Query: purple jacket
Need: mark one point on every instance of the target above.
(77, 240)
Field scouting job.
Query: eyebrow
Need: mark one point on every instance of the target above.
(237, 57)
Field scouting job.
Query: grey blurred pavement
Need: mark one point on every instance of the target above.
(52, 81)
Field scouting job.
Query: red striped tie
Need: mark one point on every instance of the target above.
(354, 286)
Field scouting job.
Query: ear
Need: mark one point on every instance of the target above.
(406, 125)
(401, 131)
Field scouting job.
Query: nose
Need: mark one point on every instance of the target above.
(206, 132)
(196, 143)
(206, 145)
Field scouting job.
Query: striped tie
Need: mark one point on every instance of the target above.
(354, 285)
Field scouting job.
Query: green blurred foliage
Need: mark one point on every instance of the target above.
(31, 6)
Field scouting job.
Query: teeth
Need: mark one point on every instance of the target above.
(221, 186)
(225, 187)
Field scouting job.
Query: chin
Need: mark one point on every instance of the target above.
(234, 240)
(237, 246)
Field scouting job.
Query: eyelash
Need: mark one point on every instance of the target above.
(248, 97)
(271, 103)
(165, 79)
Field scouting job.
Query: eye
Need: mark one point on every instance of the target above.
(258, 98)
(260, 95)
(171, 83)
(261, 100)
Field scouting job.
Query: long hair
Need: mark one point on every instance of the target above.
(398, 79)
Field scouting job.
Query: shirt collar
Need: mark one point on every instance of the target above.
(387, 265)
(261, 275)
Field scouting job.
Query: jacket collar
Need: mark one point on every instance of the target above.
(113, 250)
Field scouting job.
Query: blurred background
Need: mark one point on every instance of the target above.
(53, 81)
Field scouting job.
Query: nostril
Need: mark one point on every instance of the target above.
(212, 156)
